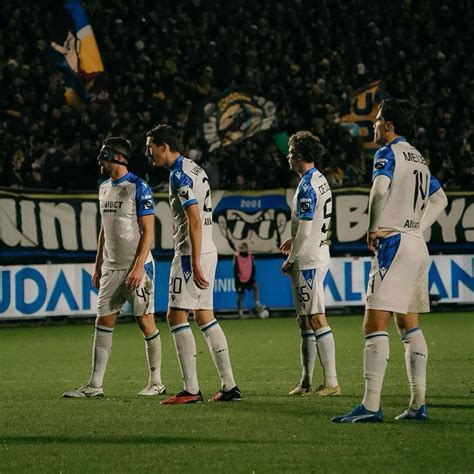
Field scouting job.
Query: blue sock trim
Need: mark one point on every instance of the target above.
(204, 328)
(104, 329)
(376, 334)
(152, 336)
(180, 328)
(323, 334)
(410, 332)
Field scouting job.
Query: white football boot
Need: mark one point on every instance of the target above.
(85, 391)
(153, 389)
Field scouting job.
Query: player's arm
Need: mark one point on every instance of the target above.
(301, 237)
(437, 201)
(195, 237)
(99, 259)
(376, 204)
(305, 209)
(146, 224)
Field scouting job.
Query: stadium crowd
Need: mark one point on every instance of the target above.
(305, 56)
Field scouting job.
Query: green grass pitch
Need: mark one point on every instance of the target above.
(266, 432)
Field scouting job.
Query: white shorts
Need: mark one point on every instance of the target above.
(183, 292)
(308, 290)
(113, 293)
(398, 279)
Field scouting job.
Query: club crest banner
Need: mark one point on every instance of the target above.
(235, 115)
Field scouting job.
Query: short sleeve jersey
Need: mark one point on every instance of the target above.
(312, 202)
(189, 185)
(122, 202)
(411, 183)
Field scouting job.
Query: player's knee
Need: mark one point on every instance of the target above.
(318, 321)
(106, 321)
(147, 323)
(303, 322)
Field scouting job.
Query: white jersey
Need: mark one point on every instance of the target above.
(411, 185)
(313, 202)
(122, 202)
(189, 185)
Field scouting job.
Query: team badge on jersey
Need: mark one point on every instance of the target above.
(123, 193)
(184, 192)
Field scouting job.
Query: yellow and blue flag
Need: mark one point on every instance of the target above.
(77, 54)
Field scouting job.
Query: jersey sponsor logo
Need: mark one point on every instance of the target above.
(379, 164)
(148, 204)
(123, 193)
(305, 204)
(411, 224)
(110, 206)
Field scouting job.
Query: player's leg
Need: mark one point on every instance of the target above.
(152, 338)
(143, 307)
(240, 298)
(303, 289)
(218, 347)
(109, 304)
(183, 294)
(326, 349)
(256, 294)
(408, 325)
(376, 354)
(416, 359)
(308, 352)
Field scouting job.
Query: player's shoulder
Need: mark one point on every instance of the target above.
(105, 184)
(142, 188)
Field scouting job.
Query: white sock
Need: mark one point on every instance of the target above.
(376, 353)
(186, 351)
(100, 354)
(416, 359)
(153, 355)
(308, 352)
(217, 343)
(327, 355)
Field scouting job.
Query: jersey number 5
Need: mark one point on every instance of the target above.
(327, 211)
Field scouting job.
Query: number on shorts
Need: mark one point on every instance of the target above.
(176, 284)
(303, 295)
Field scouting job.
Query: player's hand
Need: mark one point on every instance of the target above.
(134, 278)
(199, 278)
(373, 240)
(286, 267)
(285, 247)
(96, 278)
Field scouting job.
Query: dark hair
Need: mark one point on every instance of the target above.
(401, 113)
(165, 134)
(120, 144)
(307, 147)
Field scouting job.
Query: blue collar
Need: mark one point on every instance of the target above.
(177, 163)
(121, 180)
(396, 140)
(309, 172)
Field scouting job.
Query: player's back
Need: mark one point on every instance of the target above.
(189, 185)
(313, 202)
(411, 185)
(122, 202)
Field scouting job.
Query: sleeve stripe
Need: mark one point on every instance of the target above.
(190, 202)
